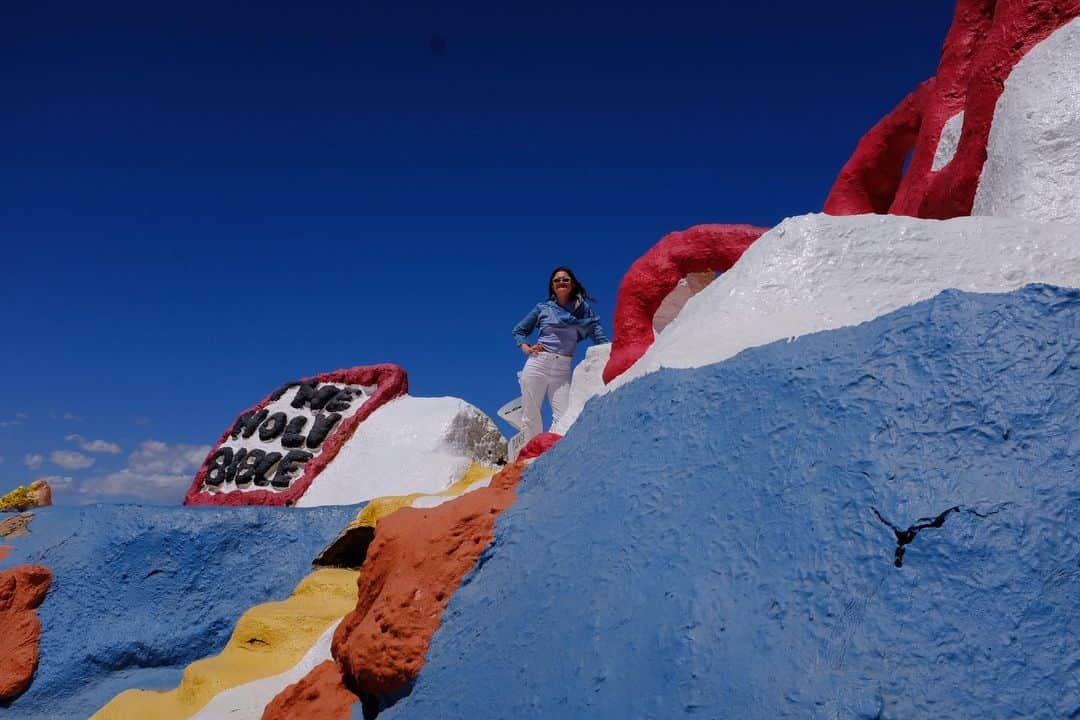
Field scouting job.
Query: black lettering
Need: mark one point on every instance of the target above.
(272, 426)
(321, 428)
(218, 466)
(237, 460)
(288, 466)
(292, 437)
(276, 395)
(252, 420)
(304, 392)
(245, 468)
(341, 401)
(262, 470)
(324, 395)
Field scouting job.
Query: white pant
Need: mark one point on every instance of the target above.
(544, 373)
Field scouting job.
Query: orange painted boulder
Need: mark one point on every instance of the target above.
(21, 590)
(415, 563)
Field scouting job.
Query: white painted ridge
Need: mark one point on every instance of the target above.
(820, 272)
(410, 445)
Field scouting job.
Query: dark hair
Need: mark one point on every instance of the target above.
(576, 288)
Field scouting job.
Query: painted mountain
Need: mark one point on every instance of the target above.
(825, 470)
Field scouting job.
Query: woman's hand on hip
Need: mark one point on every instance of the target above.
(531, 349)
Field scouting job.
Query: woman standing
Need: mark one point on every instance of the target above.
(563, 319)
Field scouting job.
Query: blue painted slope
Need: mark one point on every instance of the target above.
(706, 542)
(140, 592)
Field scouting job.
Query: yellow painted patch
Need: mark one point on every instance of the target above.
(268, 639)
(380, 507)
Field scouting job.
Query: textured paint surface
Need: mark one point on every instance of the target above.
(321, 695)
(413, 445)
(985, 42)
(141, 592)
(950, 138)
(735, 566)
(818, 272)
(345, 547)
(538, 446)
(656, 273)
(247, 701)
(268, 640)
(390, 381)
(21, 591)
(1032, 167)
(415, 564)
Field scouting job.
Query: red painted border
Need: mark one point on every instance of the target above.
(391, 382)
(657, 272)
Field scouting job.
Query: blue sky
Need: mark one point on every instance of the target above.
(201, 202)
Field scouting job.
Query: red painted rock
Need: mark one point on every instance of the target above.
(321, 694)
(21, 590)
(5, 550)
(702, 248)
(538, 445)
(986, 40)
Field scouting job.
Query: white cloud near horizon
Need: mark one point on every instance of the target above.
(156, 472)
(70, 460)
(33, 460)
(20, 417)
(94, 446)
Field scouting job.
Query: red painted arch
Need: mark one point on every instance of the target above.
(986, 40)
(657, 272)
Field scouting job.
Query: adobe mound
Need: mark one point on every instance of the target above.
(707, 541)
(140, 592)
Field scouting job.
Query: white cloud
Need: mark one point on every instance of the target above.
(33, 460)
(70, 460)
(94, 446)
(156, 472)
(72, 417)
(20, 417)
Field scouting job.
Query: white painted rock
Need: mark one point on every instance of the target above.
(409, 445)
(1032, 169)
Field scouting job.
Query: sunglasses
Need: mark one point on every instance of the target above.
(562, 281)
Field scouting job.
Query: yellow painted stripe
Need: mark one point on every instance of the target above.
(380, 507)
(268, 639)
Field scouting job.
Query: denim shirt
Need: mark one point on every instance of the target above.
(556, 322)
